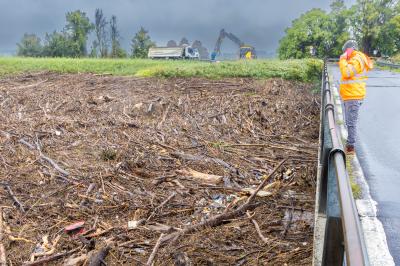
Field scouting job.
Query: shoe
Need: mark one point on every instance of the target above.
(350, 149)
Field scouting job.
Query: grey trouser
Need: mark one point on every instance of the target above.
(351, 108)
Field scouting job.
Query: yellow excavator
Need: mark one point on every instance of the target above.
(245, 51)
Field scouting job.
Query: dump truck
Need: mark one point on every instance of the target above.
(184, 52)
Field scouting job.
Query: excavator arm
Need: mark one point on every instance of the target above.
(234, 39)
(217, 48)
(222, 35)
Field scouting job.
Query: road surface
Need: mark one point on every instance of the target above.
(378, 149)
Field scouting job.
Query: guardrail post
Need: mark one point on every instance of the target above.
(329, 203)
(334, 242)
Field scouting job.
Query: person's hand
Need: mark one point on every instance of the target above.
(347, 54)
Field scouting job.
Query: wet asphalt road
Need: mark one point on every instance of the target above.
(378, 149)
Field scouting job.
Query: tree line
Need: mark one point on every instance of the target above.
(72, 40)
(375, 24)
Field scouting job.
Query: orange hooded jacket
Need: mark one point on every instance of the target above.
(353, 70)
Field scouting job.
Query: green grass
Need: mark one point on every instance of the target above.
(356, 189)
(354, 186)
(303, 70)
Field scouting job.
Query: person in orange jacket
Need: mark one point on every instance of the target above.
(353, 66)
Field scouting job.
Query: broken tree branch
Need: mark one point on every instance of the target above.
(14, 198)
(154, 252)
(190, 157)
(54, 164)
(44, 261)
(161, 205)
(201, 177)
(88, 191)
(263, 238)
(45, 158)
(30, 146)
(164, 116)
(98, 258)
(218, 219)
(270, 146)
(3, 255)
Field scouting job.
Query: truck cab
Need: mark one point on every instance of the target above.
(191, 53)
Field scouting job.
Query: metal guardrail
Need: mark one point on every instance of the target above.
(343, 243)
(387, 64)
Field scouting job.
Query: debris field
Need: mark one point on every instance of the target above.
(145, 171)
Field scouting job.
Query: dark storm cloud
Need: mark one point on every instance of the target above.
(257, 22)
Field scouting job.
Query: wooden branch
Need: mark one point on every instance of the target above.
(54, 164)
(30, 146)
(270, 146)
(12, 238)
(23, 87)
(3, 255)
(14, 198)
(47, 253)
(154, 252)
(75, 261)
(160, 206)
(190, 157)
(219, 219)
(264, 183)
(201, 177)
(45, 261)
(45, 158)
(164, 116)
(88, 191)
(263, 238)
(100, 233)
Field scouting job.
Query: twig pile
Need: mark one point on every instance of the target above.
(141, 171)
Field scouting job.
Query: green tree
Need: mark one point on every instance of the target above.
(171, 43)
(30, 45)
(184, 41)
(101, 33)
(116, 49)
(373, 23)
(60, 45)
(77, 29)
(93, 50)
(389, 38)
(339, 26)
(203, 52)
(70, 42)
(312, 29)
(368, 18)
(141, 44)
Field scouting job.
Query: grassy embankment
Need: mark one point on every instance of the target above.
(396, 59)
(303, 70)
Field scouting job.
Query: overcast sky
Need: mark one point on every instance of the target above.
(260, 23)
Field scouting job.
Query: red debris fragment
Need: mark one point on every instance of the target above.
(75, 228)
